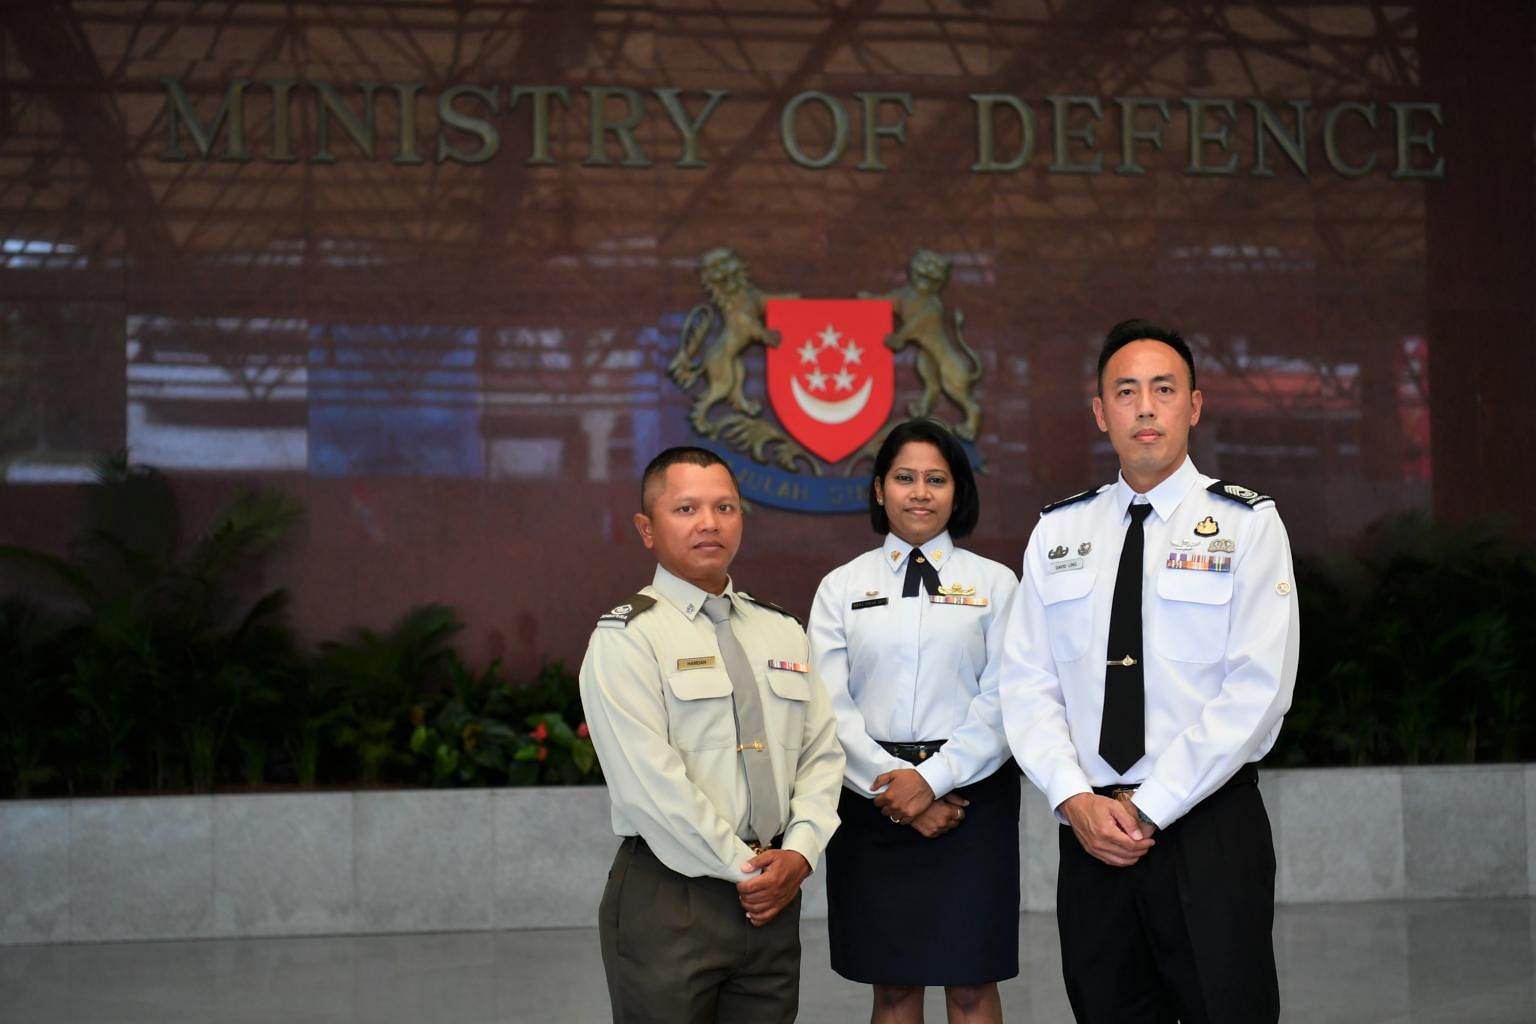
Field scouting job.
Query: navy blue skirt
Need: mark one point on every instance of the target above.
(904, 910)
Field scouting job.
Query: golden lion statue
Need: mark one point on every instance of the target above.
(741, 311)
(943, 363)
(738, 311)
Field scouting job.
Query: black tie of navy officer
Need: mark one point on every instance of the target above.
(1122, 734)
(920, 573)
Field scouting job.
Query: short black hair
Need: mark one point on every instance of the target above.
(967, 509)
(680, 455)
(1127, 331)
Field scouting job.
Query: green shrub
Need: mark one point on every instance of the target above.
(1416, 647)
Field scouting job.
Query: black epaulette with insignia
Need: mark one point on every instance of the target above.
(766, 604)
(1079, 496)
(619, 616)
(1239, 493)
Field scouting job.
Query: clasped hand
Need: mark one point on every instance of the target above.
(906, 793)
(780, 873)
(943, 815)
(1107, 828)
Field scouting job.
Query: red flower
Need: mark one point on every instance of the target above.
(543, 751)
(541, 734)
(583, 731)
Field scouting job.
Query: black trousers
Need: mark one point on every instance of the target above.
(1185, 934)
(680, 950)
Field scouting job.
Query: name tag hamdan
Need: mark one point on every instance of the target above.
(687, 663)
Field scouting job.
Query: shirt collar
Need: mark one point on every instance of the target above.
(896, 550)
(685, 596)
(1165, 497)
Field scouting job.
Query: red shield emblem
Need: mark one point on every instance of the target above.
(831, 378)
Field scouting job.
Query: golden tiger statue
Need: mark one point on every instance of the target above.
(944, 363)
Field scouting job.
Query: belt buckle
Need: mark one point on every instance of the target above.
(1115, 792)
(756, 848)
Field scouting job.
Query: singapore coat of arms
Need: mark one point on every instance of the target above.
(830, 378)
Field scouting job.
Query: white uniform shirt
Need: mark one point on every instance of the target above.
(1219, 643)
(909, 669)
(658, 703)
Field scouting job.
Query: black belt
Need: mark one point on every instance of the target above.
(1247, 775)
(913, 753)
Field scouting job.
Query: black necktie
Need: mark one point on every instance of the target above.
(1122, 734)
(920, 573)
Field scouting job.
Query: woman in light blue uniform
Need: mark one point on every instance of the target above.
(923, 873)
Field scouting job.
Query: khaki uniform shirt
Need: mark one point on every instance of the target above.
(658, 703)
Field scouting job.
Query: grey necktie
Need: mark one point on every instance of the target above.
(763, 814)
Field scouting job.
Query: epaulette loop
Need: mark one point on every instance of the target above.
(1239, 493)
(618, 617)
(1073, 500)
(766, 604)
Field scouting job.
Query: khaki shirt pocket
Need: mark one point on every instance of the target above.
(699, 711)
(1068, 600)
(1193, 609)
(785, 715)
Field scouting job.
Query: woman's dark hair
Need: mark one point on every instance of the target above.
(967, 509)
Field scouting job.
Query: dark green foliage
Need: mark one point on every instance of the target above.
(378, 677)
(1418, 647)
(34, 654)
(165, 670)
(484, 732)
(166, 652)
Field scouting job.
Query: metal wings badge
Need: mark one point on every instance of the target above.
(830, 378)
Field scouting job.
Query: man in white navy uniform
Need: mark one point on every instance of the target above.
(723, 768)
(1139, 690)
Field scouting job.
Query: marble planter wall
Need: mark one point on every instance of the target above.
(465, 860)
(1355, 834)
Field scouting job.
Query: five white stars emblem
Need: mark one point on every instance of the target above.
(851, 353)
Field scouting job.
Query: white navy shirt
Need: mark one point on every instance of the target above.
(1220, 632)
(917, 668)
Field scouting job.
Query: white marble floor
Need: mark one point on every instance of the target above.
(1450, 962)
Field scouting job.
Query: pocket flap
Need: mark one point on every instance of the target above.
(1195, 587)
(789, 685)
(1066, 586)
(699, 683)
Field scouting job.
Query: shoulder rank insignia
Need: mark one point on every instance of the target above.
(1073, 500)
(765, 604)
(1239, 493)
(619, 616)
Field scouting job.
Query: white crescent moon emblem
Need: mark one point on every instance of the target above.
(832, 412)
